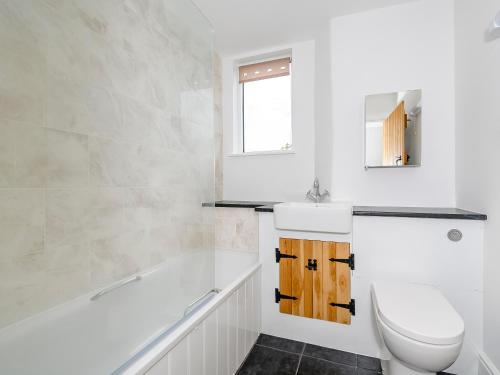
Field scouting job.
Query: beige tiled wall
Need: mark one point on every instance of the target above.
(106, 144)
(219, 150)
(237, 229)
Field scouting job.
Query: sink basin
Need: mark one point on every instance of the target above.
(331, 217)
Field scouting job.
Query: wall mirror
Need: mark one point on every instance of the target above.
(393, 124)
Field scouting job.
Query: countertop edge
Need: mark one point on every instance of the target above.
(423, 215)
(425, 212)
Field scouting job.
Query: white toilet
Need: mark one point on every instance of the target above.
(422, 332)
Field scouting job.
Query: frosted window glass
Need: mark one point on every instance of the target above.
(267, 115)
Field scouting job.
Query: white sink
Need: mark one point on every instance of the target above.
(331, 217)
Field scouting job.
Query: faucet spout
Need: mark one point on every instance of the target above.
(314, 194)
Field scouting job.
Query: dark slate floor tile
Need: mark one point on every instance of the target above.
(267, 361)
(332, 355)
(313, 366)
(280, 343)
(369, 363)
(363, 371)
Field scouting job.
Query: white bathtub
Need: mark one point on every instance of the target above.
(123, 332)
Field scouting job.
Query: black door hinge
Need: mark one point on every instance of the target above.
(278, 296)
(279, 256)
(349, 261)
(312, 265)
(351, 306)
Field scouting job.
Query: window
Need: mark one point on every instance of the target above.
(266, 106)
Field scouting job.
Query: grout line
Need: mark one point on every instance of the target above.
(300, 358)
(270, 347)
(336, 363)
(301, 354)
(280, 350)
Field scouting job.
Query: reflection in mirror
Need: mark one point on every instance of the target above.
(393, 124)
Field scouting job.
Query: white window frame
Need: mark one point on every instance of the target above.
(238, 125)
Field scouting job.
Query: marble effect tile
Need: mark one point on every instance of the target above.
(21, 223)
(237, 229)
(106, 146)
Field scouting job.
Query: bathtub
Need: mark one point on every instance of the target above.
(210, 335)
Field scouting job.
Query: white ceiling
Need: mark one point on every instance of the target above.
(245, 25)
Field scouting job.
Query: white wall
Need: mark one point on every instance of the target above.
(323, 109)
(273, 177)
(477, 142)
(393, 49)
(354, 56)
(374, 145)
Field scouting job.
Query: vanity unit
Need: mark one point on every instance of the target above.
(440, 248)
(315, 272)
(436, 247)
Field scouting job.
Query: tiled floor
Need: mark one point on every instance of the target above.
(277, 356)
(273, 355)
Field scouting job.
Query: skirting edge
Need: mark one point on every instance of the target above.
(486, 366)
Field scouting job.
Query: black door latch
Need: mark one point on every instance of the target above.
(312, 265)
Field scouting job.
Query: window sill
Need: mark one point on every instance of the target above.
(262, 153)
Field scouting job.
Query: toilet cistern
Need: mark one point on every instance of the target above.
(315, 195)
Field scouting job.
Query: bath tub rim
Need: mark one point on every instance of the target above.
(143, 361)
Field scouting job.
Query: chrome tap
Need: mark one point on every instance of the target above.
(315, 194)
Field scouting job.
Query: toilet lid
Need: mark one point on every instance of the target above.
(419, 312)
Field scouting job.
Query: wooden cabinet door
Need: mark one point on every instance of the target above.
(314, 288)
(296, 280)
(336, 282)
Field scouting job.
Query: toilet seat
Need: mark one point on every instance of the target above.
(419, 312)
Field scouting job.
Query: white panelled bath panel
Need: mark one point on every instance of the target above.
(220, 343)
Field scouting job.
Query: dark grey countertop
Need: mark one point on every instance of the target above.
(420, 212)
(241, 204)
(417, 212)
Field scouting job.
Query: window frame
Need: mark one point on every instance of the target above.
(239, 126)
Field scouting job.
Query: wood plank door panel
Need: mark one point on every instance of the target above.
(286, 275)
(329, 282)
(342, 282)
(317, 281)
(308, 279)
(298, 277)
(301, 278)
